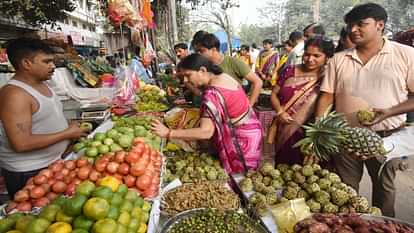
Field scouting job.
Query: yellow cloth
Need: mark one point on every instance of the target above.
(275, 75)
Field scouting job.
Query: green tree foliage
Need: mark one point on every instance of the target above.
(256, 34)
(299, 13)
(37, 12)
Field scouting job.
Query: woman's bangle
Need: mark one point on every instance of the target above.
(280, 112)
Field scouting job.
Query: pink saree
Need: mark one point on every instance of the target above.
(240, 144)
(300, 92)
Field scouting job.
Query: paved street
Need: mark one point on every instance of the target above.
(405, 192)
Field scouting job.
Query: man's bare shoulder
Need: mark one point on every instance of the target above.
(11, 95)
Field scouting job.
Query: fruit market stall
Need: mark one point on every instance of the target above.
(123, 178)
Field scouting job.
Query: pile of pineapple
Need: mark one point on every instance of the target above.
(331, 135)
(323, 190)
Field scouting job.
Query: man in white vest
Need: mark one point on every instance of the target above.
(33, 131)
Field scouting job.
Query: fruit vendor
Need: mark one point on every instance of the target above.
(226, 116)
(377, 73)
(208, 45)
(181, 50)
(33, 129)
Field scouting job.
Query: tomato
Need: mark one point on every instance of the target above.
(118, 176)
(132, 157)
(137, 141)
(146, 156)
(70, 191)
(21, 196)
(56, 167)
(37, 192)
(24, 206)
(67, 179)
(143, 182)
(51, 181)
(129, 181)
(46, 187)
(29, 187)
(157, 164)
(137, 169)
(77, 181)
(73, 174)
(123, 169)
(59, 176)
(106, 157)
(151, 192)
(59, 187)
(137, 150)
(83, 172)
(43, 201)
(46, 172)
(100, 165)
(81, 162)
(146, 147)
(39, 179)
(51, 196)
(94, 175)
(65, 171)
(70, 164)
(112, 167)
(120, 156)
(156, 180)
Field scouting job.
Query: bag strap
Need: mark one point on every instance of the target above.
(303, 90)
(290, 103)
(232, 130)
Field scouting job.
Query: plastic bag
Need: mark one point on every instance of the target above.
(128, 83)
(288, 213)
(183, 118)
(120, 11)
(139, 70)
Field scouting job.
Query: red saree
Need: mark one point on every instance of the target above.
(300, 92)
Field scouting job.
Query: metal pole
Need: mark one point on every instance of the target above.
(316, 11)
(173, 8)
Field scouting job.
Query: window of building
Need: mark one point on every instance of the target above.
(74, 23)
(84, 26)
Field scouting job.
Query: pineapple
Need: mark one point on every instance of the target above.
(331, 135)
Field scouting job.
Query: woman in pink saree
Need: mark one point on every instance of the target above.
(294, 98)
(226, 116)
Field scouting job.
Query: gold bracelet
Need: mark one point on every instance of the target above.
(280, 112)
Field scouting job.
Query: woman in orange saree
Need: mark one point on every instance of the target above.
(294, 98)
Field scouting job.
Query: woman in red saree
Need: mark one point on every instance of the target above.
(294, 98)
(226, 116)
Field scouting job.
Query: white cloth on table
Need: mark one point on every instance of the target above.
(63, 83)
(400, 144)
